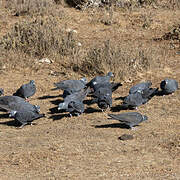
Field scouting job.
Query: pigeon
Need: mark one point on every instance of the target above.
(25, 117)
(169, 86)
(26, 90)
(1, 91)
(100, 79)
(74, 103)
(103, 97)
(75, 85)
(17, 103)
(130, 119)
(132, 101)
(140, 87)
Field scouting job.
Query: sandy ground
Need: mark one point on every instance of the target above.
(88, 147)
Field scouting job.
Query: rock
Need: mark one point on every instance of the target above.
(45, 60)
(125, 137)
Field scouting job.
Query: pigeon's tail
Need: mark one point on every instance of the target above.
(1, 91)
(40, 116)
(150, 93)
(113, 116)
(115, 86)
(58, 86)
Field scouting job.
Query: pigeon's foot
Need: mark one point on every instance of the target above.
(134, 128)
(20, 127)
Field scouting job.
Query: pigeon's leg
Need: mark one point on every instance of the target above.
(26, 99)
(20, 127)
(33, 123)
(78, 114)
(70, 114)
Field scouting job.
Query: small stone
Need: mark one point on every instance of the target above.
(125, 137)
(45, 60)
(79, 44)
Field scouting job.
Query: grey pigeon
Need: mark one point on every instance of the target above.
(75, 85)
(131, 119)
(134, 100)
(169, 86)
(100, 79)
(74, 102)
(17, 103)
(103, 97)
(1, 91)
(26, 90)
(140, 87)
(25, 117)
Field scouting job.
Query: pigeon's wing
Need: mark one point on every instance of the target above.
(132, 117)
(70, 84)
(149, 93)
(77, 106)
(28, 90)
(106, 91)
(133, 100)
(100, 79)
(27, 116)
(5, 101)
(140, 87)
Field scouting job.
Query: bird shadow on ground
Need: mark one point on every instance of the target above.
(118, 108)
(90, 110)
(11, 123)
(114, 125)
(48, 97)
(55, 110)
(160, 93)
(58, 117)
(56, 102)
(88, 101)
(4, 116)
(120, 98)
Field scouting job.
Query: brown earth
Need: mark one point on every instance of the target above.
(88, 147)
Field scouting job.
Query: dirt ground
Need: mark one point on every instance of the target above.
(88, 147)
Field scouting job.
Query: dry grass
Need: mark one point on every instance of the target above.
(39, 38)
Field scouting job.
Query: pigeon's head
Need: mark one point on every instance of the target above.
(32, 82)
(145, 118)
(1, 91)
(84, 80)
(110, 74)
(12, 113)
(37, 108)
(104, 102)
